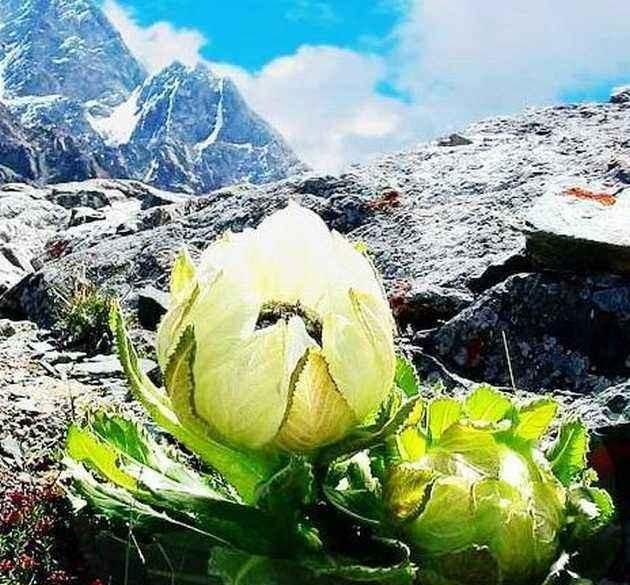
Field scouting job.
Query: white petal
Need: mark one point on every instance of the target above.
(359, 348)
(318, 415)
(297, 256)
(354, 269)
(245, 397)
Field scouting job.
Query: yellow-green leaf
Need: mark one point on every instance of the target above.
(486, 404)
(534, 419)
(85, 447)
(406, 377)
(406, 489)
(412, 444)
(182, 275)
(568, 454)
(443, 413)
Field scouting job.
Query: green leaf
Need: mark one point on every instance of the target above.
(568, 454)
(138, 465)
(476, 447)
(447, 521)
(237, 568)
(115, 503)
(233, 567)
(592, 509)
(352, 488)
(412, 444)
(407, 489)
(406, 377)
(289, 490)
(486, 404)
(443, 413)
(138, 453)
(84, 447)
(472, 566)
(533, 420)
(244, 471)
(370, 436)
(383, 561)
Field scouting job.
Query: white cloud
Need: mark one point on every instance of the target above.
(158, 45)
(324, 102)
(458, 60)
(462, 59)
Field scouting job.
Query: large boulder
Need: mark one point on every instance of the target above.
(620, 95)
(565, 332)
(580, 229)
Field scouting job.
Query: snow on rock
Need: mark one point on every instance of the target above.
(86, 105)
(118, 126)
(218, 125)
(620, 95)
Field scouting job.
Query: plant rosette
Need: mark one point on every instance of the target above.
(321, 463)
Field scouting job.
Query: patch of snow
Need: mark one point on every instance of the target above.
(218, 125)
(4, 63)
(150, 171)
(117, 128)
(29, 107)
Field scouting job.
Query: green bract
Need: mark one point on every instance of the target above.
(293, 336)
(474, 489)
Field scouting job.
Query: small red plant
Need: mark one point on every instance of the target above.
(35, 541)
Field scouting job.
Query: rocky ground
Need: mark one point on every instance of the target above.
(509, 240)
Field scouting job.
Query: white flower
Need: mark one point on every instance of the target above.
(294, 336)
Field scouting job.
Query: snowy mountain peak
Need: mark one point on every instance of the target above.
(65, 47)
(74, 90)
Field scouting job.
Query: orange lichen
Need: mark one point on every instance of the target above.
(580, 193)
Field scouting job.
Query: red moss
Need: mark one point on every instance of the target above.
(386, 200)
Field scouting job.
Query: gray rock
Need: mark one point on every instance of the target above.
(580, 229)
(563, 332)
(621, 95)
(92, 198)
(7, 328)
(454, 140)
(152, 305)
(155, 198)
(105, 365)
(608, 408)
(83, 215)
(423, 305)
(619, 169)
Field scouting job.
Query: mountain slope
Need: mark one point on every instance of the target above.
(82, 101)
(65, 47)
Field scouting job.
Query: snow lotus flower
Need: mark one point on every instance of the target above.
(293, 335)
(480, 500)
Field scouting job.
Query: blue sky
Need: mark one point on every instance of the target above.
(250, 33)
(344, 80)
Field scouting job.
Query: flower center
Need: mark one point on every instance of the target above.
(272, 312)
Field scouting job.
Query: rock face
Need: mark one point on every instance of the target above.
(621, 95)
(579, 229)
(563, 332)
(78, 105)
(449, 227)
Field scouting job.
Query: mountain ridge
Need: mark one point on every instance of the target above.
(70, 85)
